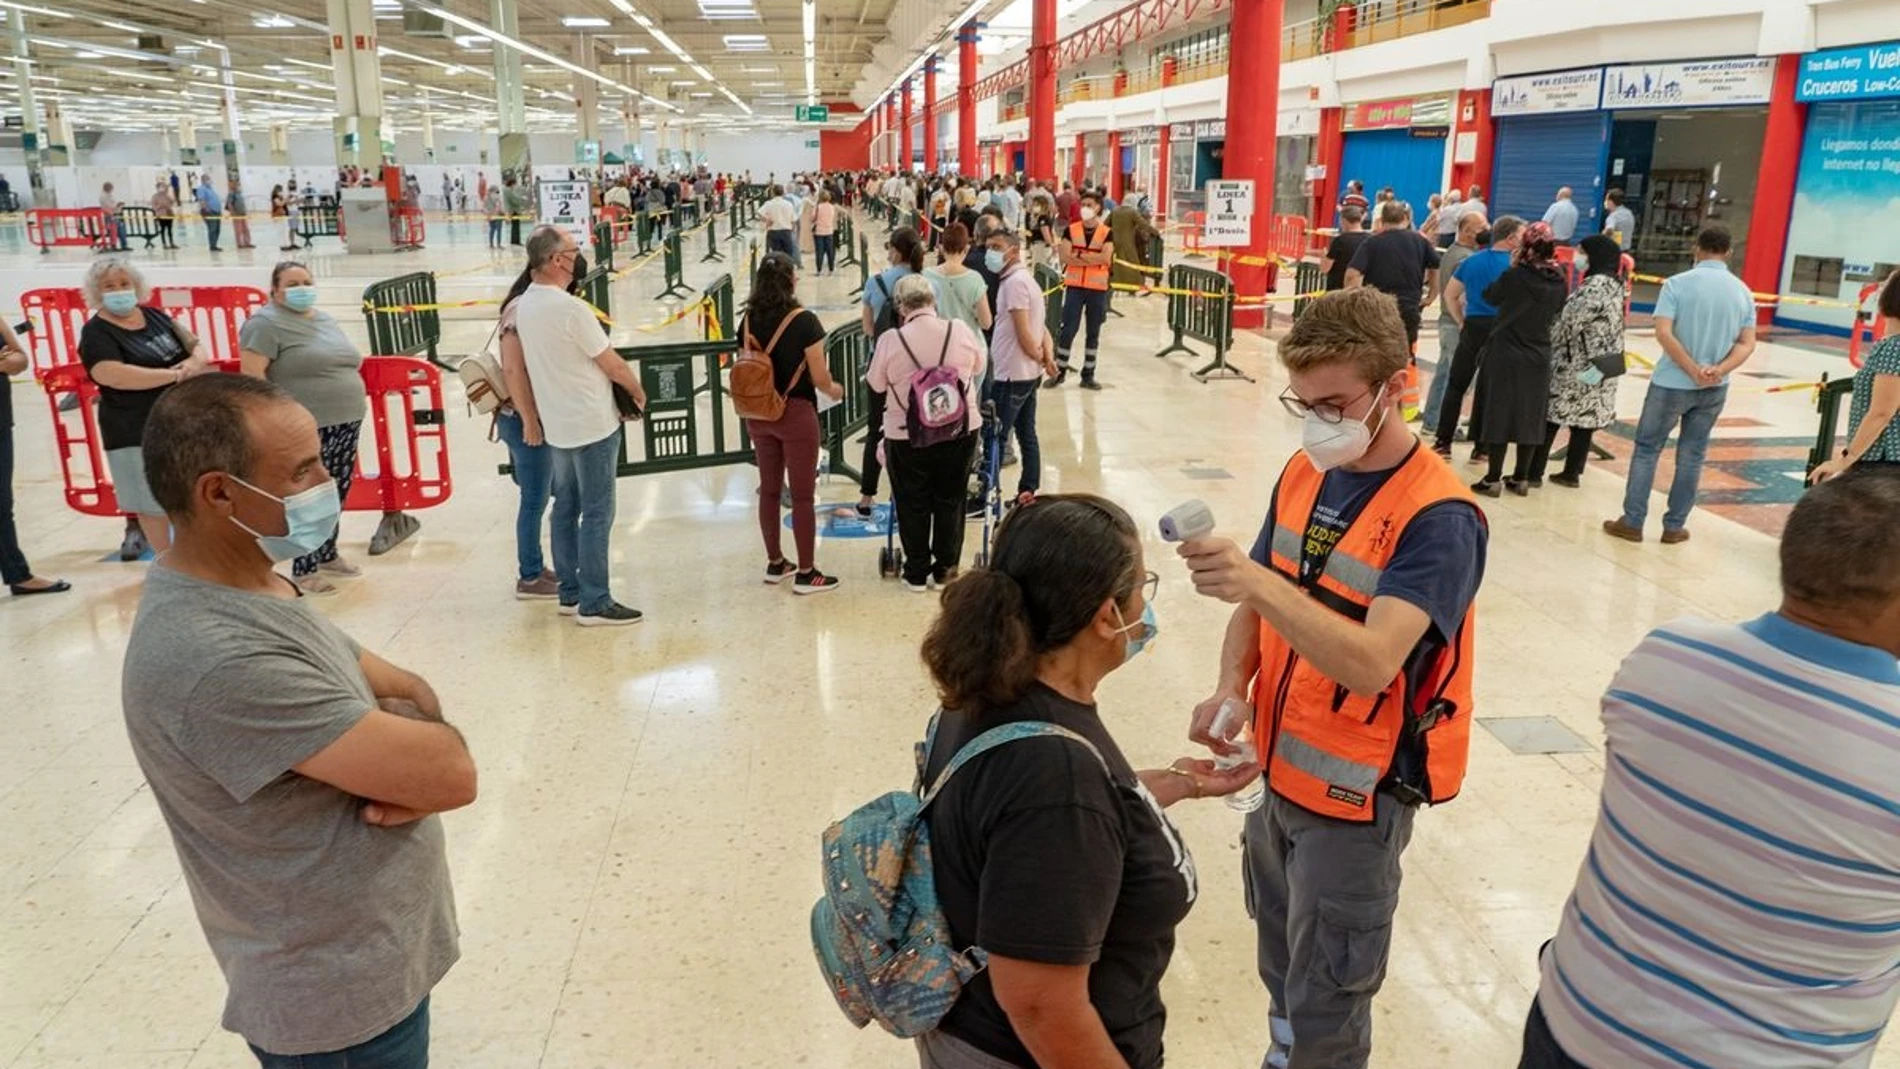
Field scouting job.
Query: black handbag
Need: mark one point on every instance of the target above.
(624, 402)
(1612, 365)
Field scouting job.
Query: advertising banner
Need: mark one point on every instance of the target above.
(1864, 72)
(1848, 184)
(1533, 94)
(1704, 83)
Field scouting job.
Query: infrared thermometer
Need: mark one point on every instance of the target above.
(1187, 522)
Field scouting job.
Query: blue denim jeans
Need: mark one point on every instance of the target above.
(406, 1046)
(1663, 409)
(584, 521)
(494, 233)
(1016, 412)
(1441, 374)
(214, 225)
(534, 474)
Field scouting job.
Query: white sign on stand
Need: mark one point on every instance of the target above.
(566, 206)
(1229, 213)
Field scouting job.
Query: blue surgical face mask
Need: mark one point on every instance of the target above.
(300, 298)
(309, 521)
(120, 302)
(995, 261)
(1148, 630)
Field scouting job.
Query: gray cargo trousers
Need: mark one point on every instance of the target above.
(1322, 893)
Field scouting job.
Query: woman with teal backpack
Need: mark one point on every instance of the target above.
(1053, 856)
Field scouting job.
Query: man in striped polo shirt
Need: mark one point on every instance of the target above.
(1739, 907)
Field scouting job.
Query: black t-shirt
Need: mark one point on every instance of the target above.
(1040, 856)
(1344, 246)
(804, 332)
(122, 413)
(974, 260)
(1395, 262)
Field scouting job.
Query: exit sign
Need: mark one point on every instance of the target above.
(812, 113)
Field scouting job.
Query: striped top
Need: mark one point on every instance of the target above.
(1739, 907)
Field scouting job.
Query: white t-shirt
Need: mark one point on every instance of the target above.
(559, 339)
(778, 214)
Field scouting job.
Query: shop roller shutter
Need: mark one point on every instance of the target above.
(1535, 155)
(1413, 166)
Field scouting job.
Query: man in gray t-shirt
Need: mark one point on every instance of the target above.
(1463, 244)
(299, 773)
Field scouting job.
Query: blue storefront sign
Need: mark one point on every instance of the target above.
(1863, 72)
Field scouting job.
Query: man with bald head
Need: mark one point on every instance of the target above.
(299, 773)
(1562, 217)
(1464, 243)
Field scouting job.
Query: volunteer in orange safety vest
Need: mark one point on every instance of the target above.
(1087, 253)
(1352, 643)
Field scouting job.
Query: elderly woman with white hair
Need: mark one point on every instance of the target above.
(930, 432)
(134, 354)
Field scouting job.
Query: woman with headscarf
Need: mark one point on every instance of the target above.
(1588, 336)
(1529, 296)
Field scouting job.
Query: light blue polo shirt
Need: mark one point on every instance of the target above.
(1709, 307)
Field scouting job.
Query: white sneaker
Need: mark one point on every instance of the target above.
(340, 568)
(316, 586)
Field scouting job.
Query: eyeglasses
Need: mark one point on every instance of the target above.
(1324, 412)
(1150, 586)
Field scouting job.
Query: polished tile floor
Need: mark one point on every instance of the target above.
(635, 879)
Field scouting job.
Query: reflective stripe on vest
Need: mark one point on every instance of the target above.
(1087, 276)
(1326, 749)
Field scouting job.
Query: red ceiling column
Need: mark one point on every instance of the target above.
(966, 102)
(1078, 171)
(1115, 165)
(903, 128)
(1253, 113)
(930, 115)
(1774, 184)
(1474, 118)
(1042, 91)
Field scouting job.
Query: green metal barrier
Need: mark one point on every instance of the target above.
(596, 287)
(643, 232)
(675, 265)
(1308, 282)
(1049, 281)
(720, 294)
(318, 223)
(1207, 316)
(1827, 401)
(712, 242)
(689, 421)
(137, 222)
(604, 244)
(402, 318)
(863, 266)
(846, 240)
(752, 265)
(848, 355)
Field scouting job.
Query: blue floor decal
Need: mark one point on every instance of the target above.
(843, 521)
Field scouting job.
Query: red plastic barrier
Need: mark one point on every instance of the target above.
(1869, 325)
(82, 459)
(1287, 236)
(66, 227)
(403, 461)
(407, 228)
(213, 313)
(1191, 227)
(55, 318)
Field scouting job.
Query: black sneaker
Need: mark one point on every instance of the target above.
(1488, 489)
(814, 582)
(1061, 376)
(1570, 481)
(1442, 450)
(776, 573)
(614, 615)
(1089, 383)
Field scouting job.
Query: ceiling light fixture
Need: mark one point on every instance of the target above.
(811, 51)
(747, 42)
(529, 50)
(31, 10)
(584, 22)
(632, 50)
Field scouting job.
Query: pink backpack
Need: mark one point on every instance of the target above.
(938, 411)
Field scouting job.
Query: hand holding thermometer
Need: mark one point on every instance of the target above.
(1187, 521)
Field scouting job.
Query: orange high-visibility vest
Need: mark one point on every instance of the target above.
(1087, 276)
(1329, 750)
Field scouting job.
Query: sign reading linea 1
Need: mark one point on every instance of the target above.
(1864, 72)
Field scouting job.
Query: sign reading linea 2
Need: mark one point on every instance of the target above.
(1699, 84)
(1864, 72)
(1532, 94)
